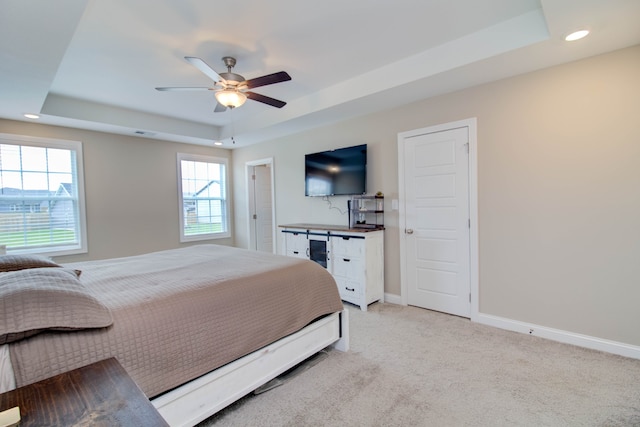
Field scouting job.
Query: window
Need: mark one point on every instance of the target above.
(202, 188)
(41, 196)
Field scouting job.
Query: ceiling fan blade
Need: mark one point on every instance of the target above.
(269, 79)
(265, 99)
(202, 66)
(166, 89)
(219, 108)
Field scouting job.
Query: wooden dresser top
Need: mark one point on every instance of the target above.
(330, 227)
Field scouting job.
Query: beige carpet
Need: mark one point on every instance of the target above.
(414, 367)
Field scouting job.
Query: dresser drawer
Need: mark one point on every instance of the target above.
(296, 245)
(297, 253)
(348, 267)
(350, 246)
(350, 290)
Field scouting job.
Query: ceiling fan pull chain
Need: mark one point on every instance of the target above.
(233, 127)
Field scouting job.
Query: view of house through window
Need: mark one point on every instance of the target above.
(40, 200)
(203, 195)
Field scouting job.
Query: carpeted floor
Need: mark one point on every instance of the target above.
(413, 367)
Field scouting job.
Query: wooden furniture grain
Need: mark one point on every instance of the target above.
(100, 394)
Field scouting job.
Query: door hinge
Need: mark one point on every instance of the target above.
(469, 297)
(469, 222)
(253, 177)
(466, 145)
(255, 216)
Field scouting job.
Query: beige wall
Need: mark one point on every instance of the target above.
(131, 189)
(558, 190)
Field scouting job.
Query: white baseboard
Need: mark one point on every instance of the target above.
(393, 299)
(566, 337)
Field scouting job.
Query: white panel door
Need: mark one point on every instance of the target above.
(263, 208)
(436, 194)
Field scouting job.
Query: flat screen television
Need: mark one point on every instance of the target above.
(338, 172)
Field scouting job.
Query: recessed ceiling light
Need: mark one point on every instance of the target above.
(217, 143)
(577, 35)
(31, 116)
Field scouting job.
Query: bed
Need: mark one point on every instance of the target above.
(196, 328)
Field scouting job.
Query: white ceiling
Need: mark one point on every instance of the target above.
(94, 64)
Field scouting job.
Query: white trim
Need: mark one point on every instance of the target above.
(472, 125)
(248, 165)
(82, 247)
(227, 218)
(566, 337)
(393, 299)
(474, 256)
(402, 225)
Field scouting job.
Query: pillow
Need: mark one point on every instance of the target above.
(21, 262)
(39, 299)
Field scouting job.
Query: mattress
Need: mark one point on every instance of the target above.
(181, 313)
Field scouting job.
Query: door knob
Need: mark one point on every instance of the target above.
(408, 231)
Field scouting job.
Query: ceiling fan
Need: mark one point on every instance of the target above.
(231, 89)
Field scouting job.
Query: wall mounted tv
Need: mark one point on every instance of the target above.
(338, 172)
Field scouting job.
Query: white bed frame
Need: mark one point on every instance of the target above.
(197, 400)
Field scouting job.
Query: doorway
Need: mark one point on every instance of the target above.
(438, 218)
(261, 205)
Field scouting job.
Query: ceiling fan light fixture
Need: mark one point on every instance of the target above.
(231, 98)
(231, 89)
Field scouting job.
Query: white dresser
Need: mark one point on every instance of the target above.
(355, 257)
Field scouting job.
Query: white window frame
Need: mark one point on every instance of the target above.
(225, 233)
(81, 227)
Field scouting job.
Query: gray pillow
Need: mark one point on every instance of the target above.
(21, 262)
(39, 299)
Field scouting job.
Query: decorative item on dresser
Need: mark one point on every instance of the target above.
(366, 211)
(353, 256)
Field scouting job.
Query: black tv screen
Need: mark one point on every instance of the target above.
(342, 171)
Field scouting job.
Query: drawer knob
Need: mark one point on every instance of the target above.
(350, 289)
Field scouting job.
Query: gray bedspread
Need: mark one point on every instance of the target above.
(181, 313)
